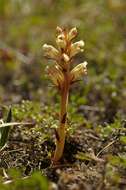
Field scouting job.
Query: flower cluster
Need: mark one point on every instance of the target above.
(62, 55)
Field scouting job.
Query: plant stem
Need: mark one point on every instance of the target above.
(61, 131)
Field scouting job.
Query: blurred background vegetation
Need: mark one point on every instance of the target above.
(100, 98)
(26, 25)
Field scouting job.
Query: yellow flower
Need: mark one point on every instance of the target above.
(76, 48)
(72, 33)
(56, 75)
(59, 30)
(50, 51)
(78, 71)
(61, 42)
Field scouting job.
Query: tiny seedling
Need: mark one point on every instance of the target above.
(63, 76)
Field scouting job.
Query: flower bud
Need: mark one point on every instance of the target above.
(72, 34)
(50, 51)
(78, 71)
(61, 42)
(59, 30)
(66, 57)
(55, 75)
(76, 48)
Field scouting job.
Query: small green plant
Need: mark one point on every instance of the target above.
(5, 127)
(34, 182)
(63, 76)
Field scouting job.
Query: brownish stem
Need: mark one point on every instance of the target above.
(61, 131)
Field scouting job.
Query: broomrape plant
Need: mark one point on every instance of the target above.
(63, 76)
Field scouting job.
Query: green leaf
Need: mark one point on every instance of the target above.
(4, 132)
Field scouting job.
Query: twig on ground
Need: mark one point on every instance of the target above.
(107, 146)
